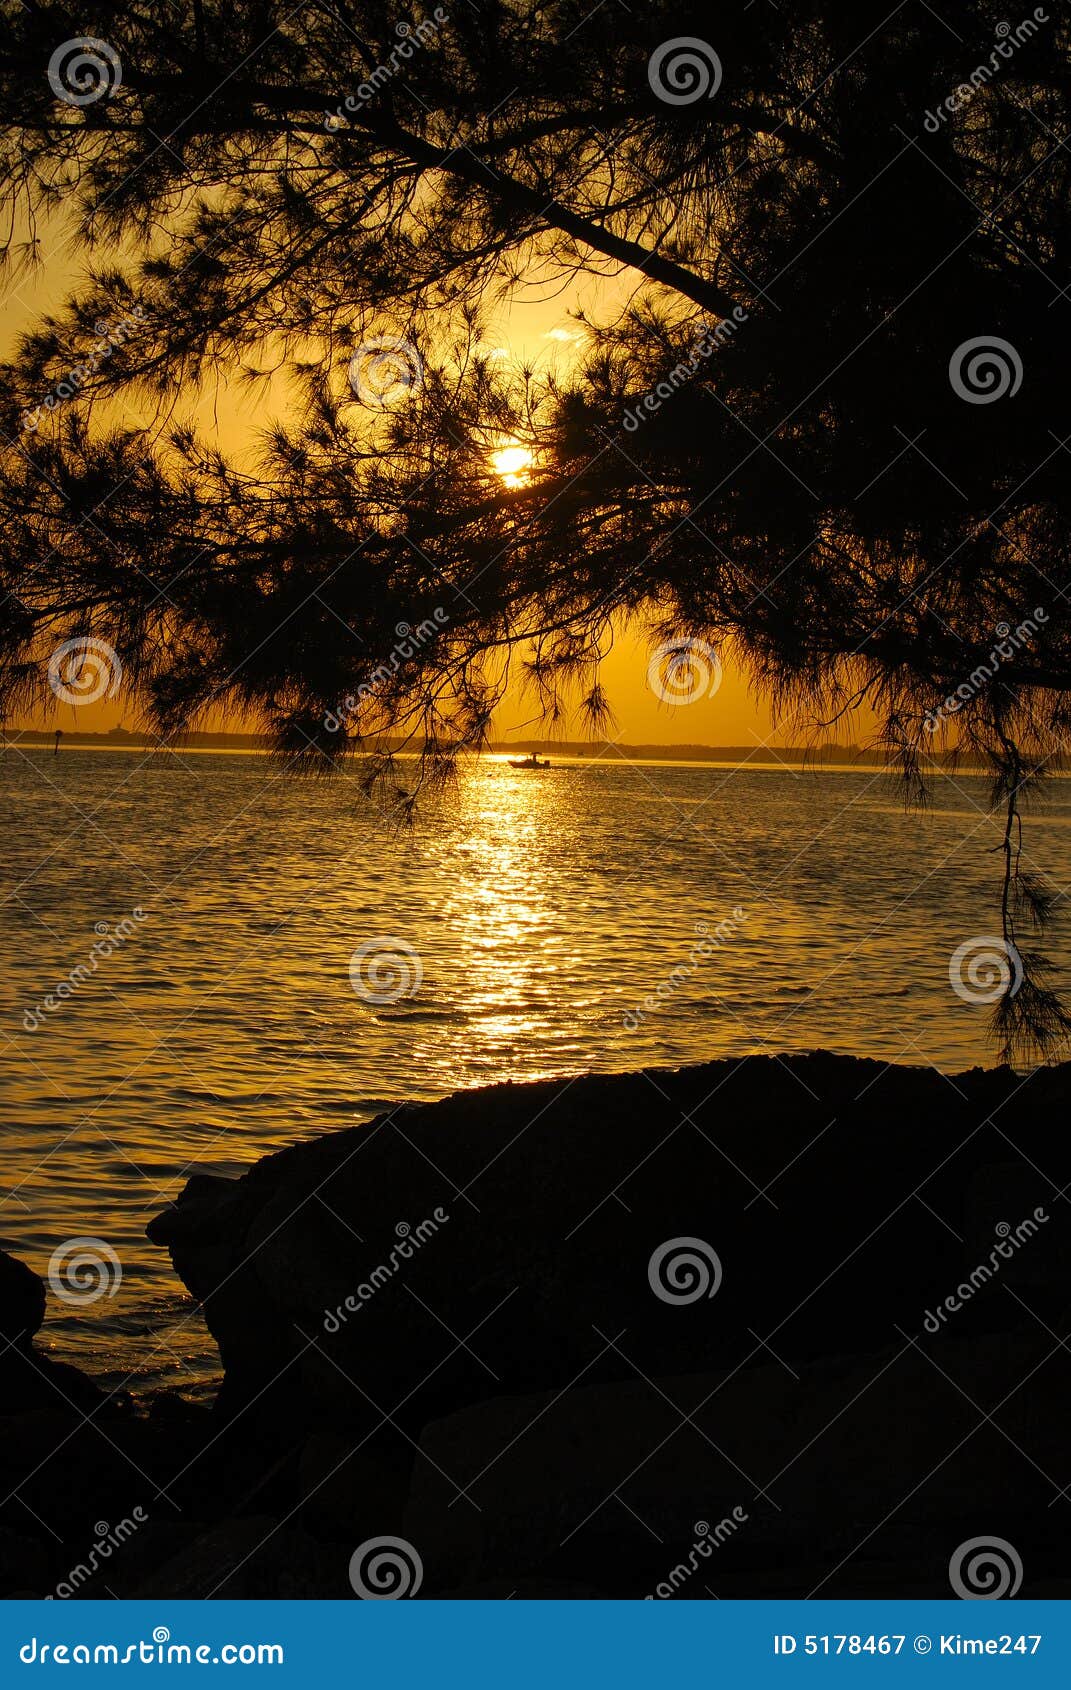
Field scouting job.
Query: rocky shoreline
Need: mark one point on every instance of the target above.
(772, 1327)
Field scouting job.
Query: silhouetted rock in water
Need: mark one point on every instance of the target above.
(72, 1459)
(28, 1379)
(451, 1322)
(22, 1301)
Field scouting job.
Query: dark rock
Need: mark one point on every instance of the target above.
(556, 1196)
(24, 1564)
(499, 1246)
(522, 1590)
(621, 1481)
(155, 1544)
(29, 1379)
(352, 1493)
(253, 1558)
(61, 1473)
(22, 1301)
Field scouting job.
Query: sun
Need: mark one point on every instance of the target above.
(512, 462)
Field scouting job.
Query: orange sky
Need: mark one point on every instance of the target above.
(533, 329)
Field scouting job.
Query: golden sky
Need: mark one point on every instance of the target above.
(538, 328)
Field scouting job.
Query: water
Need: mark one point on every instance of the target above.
(544, 909)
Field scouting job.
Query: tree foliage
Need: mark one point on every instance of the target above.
(828, 429)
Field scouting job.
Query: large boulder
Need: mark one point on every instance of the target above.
(734, 1472)
(759, 1221)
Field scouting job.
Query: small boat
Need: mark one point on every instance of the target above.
(531, 762)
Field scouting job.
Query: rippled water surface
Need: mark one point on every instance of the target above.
(543, 908)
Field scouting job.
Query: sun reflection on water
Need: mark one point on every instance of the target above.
(544, 905)
(503, 921)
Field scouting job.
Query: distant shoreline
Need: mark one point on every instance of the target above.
(789, 757)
